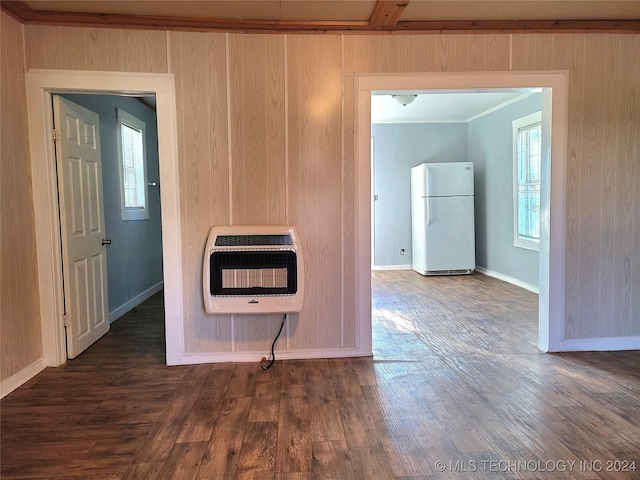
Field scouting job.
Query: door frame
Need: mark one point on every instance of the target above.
(555, 94)
(40, 86)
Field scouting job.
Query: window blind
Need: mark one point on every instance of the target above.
(133, 167)
(529, 163)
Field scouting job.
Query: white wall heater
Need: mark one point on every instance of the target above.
(253, 269)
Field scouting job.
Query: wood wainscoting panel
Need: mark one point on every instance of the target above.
(611, 82)
(80, 48)
(589, 171)
(349, 233)
(20, 303)
(425, 53)
(257, 129)
(198, 62)
(627, 189)
(314, 91)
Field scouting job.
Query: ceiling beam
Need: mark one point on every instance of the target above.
(26, 15)
(387, 13)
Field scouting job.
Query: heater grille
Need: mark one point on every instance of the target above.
(253, 273)
(253, 269)
(252, 240)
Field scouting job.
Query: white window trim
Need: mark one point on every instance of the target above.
(125, 118)
(519, 123)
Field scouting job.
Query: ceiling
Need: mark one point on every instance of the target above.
(346, 16)
(441, 107)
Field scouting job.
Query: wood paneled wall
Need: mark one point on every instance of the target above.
(266, 134)
(113, 50)
(19, 299)
(603, 176)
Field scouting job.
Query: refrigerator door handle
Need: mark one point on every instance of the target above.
(427, 189)
(428, 205)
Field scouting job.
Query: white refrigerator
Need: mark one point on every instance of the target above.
(442, 227)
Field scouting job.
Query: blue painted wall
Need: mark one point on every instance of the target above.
(490, 147)
(397, 148)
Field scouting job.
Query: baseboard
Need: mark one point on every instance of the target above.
(18, 379)
(391, 267)
(245, 357)
(605, 344)
(134, 302)
(508, 279)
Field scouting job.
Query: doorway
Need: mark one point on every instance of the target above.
(132, 243)
(554, 88)
(446, 128)
(40, 86)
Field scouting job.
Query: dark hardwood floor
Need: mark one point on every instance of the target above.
(456, 389)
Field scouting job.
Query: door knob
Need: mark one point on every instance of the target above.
(106, 241)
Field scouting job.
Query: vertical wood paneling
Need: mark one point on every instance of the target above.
(607, 189)
(72, 48)
(315, 125)
(19, 301)
(103, 40)
(143, 51)
(376, 53)
(589, 171)
(348, 216)
(257, 129)
(632, 326)
(425, 53)
(198, 61)
(627, 184)
(55, 47)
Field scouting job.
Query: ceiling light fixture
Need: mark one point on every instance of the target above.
(404, 100)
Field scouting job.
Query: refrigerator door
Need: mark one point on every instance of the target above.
(449, 235)
(448, 179)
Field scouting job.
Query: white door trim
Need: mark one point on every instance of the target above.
(40, 85)
(555, 85)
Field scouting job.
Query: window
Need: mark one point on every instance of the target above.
(133, 167)
(527, 153)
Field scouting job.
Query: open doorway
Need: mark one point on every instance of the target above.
(551, 262)
(41, 85)
(441, 130)
(127, 211)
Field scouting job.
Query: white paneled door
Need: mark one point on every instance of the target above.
(82, 224)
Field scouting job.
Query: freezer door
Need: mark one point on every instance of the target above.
(448, 179)
(449, 234)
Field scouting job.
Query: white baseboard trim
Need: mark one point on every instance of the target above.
(604, 344)
(134, 302)
(8, 385)
(195, 358)
(391, 267)
(508, 279)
